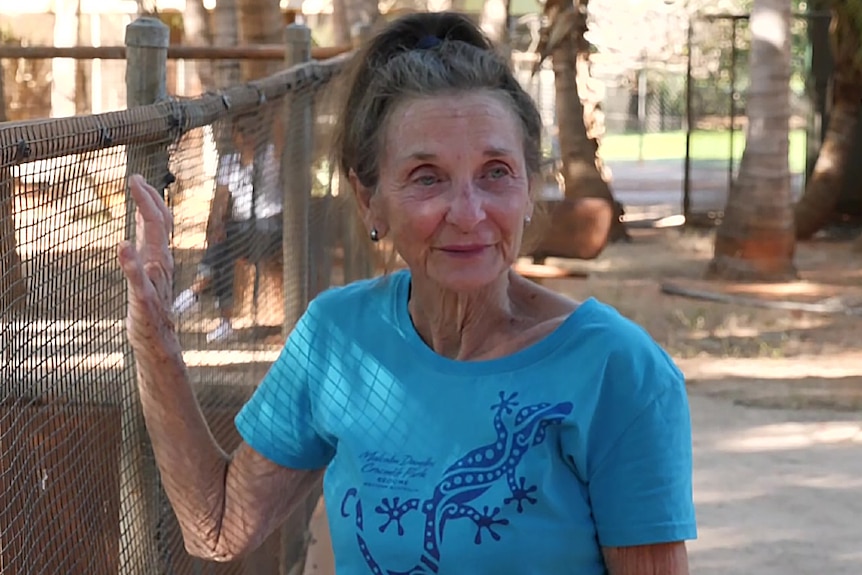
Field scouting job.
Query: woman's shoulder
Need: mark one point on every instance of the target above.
(358, 301)
(600, 334)
(591, 321)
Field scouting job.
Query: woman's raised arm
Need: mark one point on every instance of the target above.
(226, 505)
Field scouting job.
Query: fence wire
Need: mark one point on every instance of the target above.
(260, 228)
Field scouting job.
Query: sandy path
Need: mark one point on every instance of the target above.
(778, 492)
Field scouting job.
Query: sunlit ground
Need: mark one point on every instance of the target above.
(777, 492)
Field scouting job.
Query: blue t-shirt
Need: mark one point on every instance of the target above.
(529, 463)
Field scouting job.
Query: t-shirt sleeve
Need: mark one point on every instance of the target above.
(641, 487)
(278, 421)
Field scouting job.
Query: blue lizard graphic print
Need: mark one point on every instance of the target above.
(465, 481)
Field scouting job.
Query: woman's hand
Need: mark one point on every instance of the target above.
(148, 267)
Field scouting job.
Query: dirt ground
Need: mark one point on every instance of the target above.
(776, 398)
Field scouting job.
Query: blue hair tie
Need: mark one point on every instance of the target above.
(428, 42)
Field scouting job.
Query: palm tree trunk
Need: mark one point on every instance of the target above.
(756, 239)
(260, 22)
(12, 286)
(226, 33)
(824, 188)
(362, 13)
(340, 24)
(439, 5)
(580, 172)
(494, 22)
(582, 223)
(197, 32)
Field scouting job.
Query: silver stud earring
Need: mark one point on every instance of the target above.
(375, 235)
(527, 220)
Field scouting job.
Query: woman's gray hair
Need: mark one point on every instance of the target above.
(421, 55)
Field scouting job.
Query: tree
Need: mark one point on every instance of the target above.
(580, 225)
(824, 187)
(756, 239)
(197, 32)
(260, 22)
(226, 33)
(494, 22)
(351, 19)
(13, 287)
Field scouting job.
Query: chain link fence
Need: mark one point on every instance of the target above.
(79, 490)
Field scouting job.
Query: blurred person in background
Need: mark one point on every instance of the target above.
(245, 223)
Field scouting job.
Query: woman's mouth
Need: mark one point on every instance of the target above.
(463, 250)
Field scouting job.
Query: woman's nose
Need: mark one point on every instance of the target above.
(466, 209)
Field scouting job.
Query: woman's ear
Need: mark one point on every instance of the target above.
(363, 196)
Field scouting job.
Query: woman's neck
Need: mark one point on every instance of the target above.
(461, 325)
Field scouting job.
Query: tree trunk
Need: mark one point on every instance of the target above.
(12, 286)
(260, 22)
(439, 5)
(362, 13)
(494, 22)
(226, 33)
(589, 205)
(580, 172)
(756, 239)
(825, 185)
(197, 32)
(82, 76)
(340, 24)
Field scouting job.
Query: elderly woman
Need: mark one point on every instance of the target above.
(467, 419)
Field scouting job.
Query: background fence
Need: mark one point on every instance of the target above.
(673, 109)
(79, 492)
(718, 79)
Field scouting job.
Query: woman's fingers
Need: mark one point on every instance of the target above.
(161, 282)
(148, 265)
(167, 216)
(130, 262)
(152, 217)
(149, 268)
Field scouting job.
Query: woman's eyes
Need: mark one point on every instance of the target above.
(426, 180)
(495, 172)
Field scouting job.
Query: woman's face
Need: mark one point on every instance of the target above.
(453, 190)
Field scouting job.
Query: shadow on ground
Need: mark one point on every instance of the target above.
(777, 492)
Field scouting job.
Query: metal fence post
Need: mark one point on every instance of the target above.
(296, 179)
(146, 77)
(689, 125)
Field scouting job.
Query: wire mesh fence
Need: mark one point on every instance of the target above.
(259, 229)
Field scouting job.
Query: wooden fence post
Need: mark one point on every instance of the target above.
(147, 42)
(296, 179)
(13, 287)
(296, 156)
